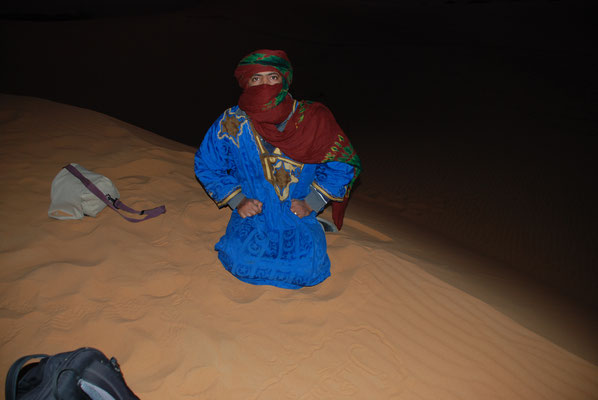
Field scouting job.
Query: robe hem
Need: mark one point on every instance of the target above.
(280, 284)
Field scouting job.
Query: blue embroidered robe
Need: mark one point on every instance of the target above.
(274, 247)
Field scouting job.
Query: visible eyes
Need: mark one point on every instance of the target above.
(272, 77)
(269, 79)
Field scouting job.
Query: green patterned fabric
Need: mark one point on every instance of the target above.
(343, 151)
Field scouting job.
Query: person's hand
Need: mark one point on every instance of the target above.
(249, 207)
(300, 208)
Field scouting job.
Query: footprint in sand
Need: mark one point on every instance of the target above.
(344, 267)
(198, 380)
(369, 362)
(126, 310)
(161, 241)
(164, 282)
(159, 363)
(134, 179)
(242, 294)
(211, 222)
(11, 329)
(68, 318)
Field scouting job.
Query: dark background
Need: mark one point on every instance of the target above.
(476, 119)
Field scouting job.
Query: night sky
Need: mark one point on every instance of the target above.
(496, 91)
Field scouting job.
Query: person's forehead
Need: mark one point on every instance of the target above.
(265, 73)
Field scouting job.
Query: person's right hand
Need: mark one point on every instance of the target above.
(249, 207)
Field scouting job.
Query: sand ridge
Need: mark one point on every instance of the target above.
(155, 296)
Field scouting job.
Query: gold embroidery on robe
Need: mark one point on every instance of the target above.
(280, 171)
(231, 127)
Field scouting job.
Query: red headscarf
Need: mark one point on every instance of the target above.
(262, 61)
(311, 135)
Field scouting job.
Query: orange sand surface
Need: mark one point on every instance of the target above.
(155, 296)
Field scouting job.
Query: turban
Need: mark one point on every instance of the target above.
(262, 61)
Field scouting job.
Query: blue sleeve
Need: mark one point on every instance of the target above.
(332, 179)
(215, 167)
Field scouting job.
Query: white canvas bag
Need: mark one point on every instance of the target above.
(72, 200)
(77, 192)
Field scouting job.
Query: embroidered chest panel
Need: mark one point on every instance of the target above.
(281, 172)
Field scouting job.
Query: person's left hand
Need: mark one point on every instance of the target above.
(300, 208)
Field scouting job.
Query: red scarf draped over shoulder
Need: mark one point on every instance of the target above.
(310, 136)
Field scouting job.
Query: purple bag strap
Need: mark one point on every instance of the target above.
(115, 204)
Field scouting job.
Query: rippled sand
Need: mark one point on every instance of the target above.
(155, 296)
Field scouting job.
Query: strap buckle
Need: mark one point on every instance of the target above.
(112, 200)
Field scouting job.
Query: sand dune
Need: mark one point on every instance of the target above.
(155, 296)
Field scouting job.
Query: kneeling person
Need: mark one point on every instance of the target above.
(276, 162)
